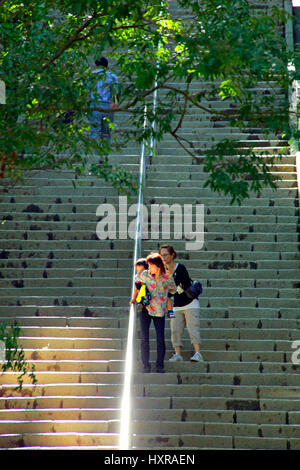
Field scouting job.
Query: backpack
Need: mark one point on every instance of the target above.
(194, 290)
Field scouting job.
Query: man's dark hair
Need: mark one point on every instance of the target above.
(102, 61)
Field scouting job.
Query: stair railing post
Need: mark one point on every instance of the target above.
(125, 442)
(126, 408)
(152, 147)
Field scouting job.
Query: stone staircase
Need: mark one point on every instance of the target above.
(70, 291)
(245, 394)
(59, 281)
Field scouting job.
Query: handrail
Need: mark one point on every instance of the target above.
(155, 95)
(125, 431)
(126, 408)
(153, 126)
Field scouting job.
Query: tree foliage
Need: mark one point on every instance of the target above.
(47, 49)
(14, 355)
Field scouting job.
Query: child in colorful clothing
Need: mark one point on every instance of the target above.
(159, 284)
(140, 266)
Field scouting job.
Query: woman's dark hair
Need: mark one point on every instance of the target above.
(102, 61)
(142, 262)
(169, 248)
(156, 259)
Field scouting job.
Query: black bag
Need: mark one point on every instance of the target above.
(194, 290)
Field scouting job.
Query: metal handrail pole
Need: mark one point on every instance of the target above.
(126, 408)
(155, 95)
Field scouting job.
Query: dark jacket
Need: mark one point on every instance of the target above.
(182, 278)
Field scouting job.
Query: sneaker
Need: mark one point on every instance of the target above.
(147, 369)
(197, 357)
(160, 370)
(176, 358)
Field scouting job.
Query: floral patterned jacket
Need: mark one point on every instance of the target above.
(159, 291)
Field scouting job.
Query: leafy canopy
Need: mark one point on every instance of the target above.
(47, 51)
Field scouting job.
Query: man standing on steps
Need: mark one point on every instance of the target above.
(102, 96)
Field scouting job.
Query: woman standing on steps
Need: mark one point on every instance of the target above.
(186, 312)
(159, 284)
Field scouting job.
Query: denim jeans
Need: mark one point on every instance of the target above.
(159, 324)
(100, 121)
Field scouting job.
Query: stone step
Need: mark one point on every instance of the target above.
(171, 415)
(70, 343)
(163, 428)
(281, 173)
(265, 369)
(92, 426)
(107, 330)
(213, 260)
(76, 354)
(118, 332)
(232, 342)
(133, 158)
(69, 365)
(72, 414)
(122, 249)
(215, 277)
(194, 441)
(60, 282)
(237, 232)
(206, 194)
(252, 303)
(187, 372)
(149, 403)
(10, 312)
(221, 329)
(70, 221)
(284, 168)
(58, 307)
(36, 334)
(43, 402)
(207, 139)
(244, 378)
(70, 378)
(290, 182)
(218, 403)
(59, 439)
(47, 288)
(86, 197)
(229, 356)
(65, 390)
(176, 442)
(237, 355)
(216, 416)
(201, 150)
(270, 209)
(113, 322)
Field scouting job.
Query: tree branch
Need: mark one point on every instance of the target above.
(179, 140)
(70, 41)
(185, 106)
